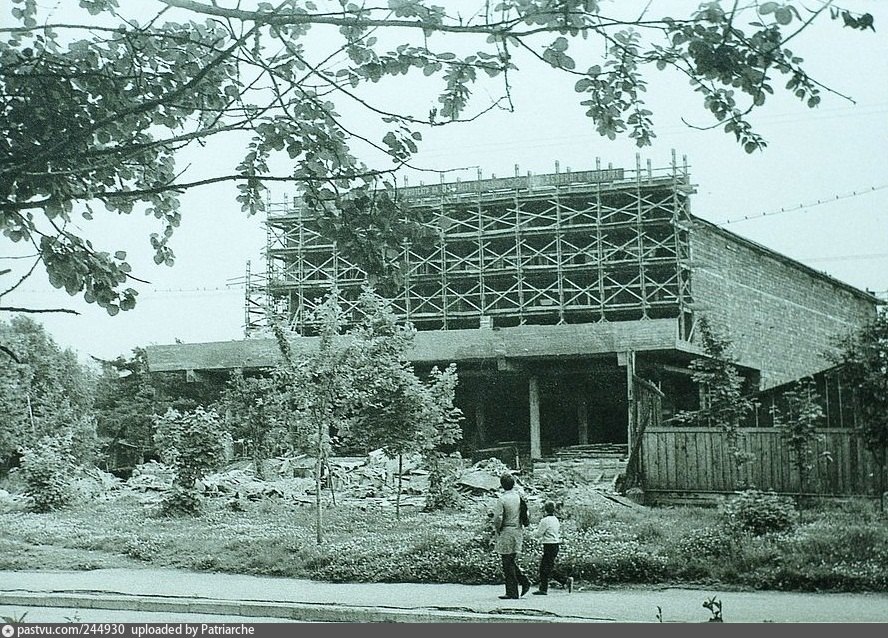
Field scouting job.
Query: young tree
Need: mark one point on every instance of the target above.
(319, 392)
(359, 385)
(97, 108)
(724, 403)
(47, 466)
(396, 411)
(864, 360)
(441, 428)
(798, 420)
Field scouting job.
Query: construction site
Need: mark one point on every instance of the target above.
(568, 301)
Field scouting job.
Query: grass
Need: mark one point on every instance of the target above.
(832, 550)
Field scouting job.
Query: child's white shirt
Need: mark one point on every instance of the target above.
(549, 530)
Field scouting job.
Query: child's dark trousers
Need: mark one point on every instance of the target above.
(547, 567)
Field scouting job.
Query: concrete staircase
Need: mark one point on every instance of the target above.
(595, 465)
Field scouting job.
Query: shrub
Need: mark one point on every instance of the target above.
(760, 513)
(180, 501)
(192, 443)
(46, 470)
(708, 542)
(144, 549)
(442, 495)
(586, 517)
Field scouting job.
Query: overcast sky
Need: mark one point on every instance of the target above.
(835, 155)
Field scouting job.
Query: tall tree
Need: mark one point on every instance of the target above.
(97, 108)
(864, 360)
(44, 392)
(127, 400)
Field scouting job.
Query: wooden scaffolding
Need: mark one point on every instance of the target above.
(568, 247)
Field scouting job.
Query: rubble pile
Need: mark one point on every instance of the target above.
(243, 483)
(368, 481)
(482, 478)
(152, 476)
(93, 483)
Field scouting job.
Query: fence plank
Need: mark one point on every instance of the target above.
(698, 459)
(704, 460)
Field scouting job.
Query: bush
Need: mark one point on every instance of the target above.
(192, 443)
(586, 518)
(46, 470)
(760, 513)
(180, 501)
(707, 543)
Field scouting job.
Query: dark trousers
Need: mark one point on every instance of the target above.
(547, 567)
(514, 575)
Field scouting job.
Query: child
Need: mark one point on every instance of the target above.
(548, 532)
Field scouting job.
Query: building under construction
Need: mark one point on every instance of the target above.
(567, 300)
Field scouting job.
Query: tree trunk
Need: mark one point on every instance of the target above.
(330, 478)
(319, 464)
(882, 482)
(257, 462)
(400, 474)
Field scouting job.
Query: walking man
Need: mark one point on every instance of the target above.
(509, 536)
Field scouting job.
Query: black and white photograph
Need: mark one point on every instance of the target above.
(494, 312)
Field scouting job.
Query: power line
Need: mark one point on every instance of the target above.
(819, 202)
(158, 291)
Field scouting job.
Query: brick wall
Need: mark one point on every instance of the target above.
(780, 316)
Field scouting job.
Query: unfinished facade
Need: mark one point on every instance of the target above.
(568, 302)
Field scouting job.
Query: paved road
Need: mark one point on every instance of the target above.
(66, 615)
(180, 592)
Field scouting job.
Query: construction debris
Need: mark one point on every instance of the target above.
(93, 483)
(151, 476)
(483, 477)
(574, 480)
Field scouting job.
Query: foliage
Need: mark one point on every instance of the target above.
(46, 468)
(397, 412)
(46, 392)
(14, 620)
(864, 360)
(442, 492)
(98, 108)
(798, 421)
(129, 398)
(714, 605)
(361, 387)
(319, 391)
(725, 404)
(190, 442)
(760, 513)
(830, 550)
(253, 412)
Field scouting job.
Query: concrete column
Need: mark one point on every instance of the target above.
(582, 421)
(630, 396)
(535, 444)
(480, 425)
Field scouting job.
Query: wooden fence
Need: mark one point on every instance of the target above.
(697, 459)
